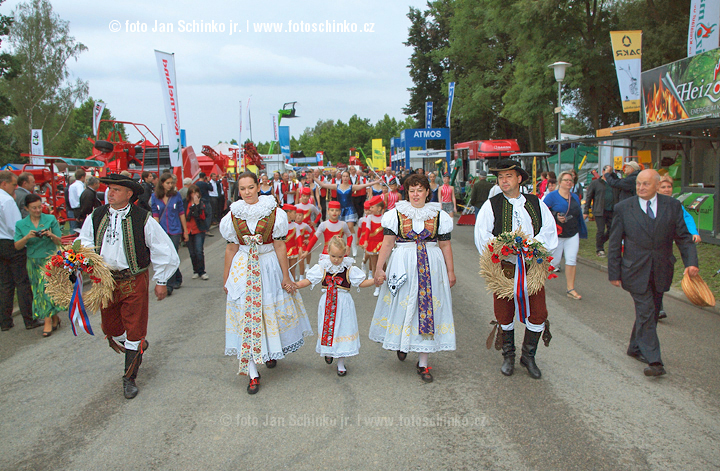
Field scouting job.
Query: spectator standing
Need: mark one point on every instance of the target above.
(434, 188)
(601, 197)
(187, 182)
(39, 234)
(195, 217)
(626, 185)
(168, 210)
(216, 198)
(26, 186)
(74, 192)
(205, 188)
(447, 197)
(148, 185)
(480, 192)
(13, 268)
(88, 200)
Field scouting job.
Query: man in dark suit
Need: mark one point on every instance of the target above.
(88, 200)
(648, 224)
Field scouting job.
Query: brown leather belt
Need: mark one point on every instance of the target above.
(122, 275)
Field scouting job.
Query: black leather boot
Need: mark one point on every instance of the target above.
(529, 347)
(132, 364)
(508, 352)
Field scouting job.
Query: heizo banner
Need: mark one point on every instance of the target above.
(627, 51)
(703, 26)
(97, 115)
(168, 83)
(688, 88)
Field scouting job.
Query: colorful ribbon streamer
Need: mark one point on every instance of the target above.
(76, 310)
(522, 300)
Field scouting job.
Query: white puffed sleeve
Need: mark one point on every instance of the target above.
(227, 230)
(446, 223)
(356, 276)
(390, 220)
(280, 229)
(315, 275)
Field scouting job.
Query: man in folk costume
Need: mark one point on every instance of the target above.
(507, 212)
(129, 239)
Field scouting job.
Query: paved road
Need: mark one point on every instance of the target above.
(593, 409)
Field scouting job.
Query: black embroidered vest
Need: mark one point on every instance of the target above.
(502, 209)
(137, 252)
(343, 275)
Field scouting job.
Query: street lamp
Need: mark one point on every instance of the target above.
(559, 69)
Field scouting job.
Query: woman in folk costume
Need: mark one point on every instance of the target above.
(414, 310)
(265, 319)
(337, 320)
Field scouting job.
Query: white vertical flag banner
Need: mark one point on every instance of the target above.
(36, 146)
(451, 96)
(168, 83)
(703, 26)
(97, 115)
(240, 136)
(428, 114)
(275, 127)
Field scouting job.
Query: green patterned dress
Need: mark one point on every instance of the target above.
(38, 251)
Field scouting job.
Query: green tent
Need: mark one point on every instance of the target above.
(575, 155)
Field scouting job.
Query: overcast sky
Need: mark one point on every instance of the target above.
(330, 75)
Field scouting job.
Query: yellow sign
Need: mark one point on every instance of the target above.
(378, 154)
(645, 158)
(618, 163)
(627, 51)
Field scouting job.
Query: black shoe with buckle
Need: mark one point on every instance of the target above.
(401, 355)
(271, 363)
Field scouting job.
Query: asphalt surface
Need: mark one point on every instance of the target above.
(63, 406)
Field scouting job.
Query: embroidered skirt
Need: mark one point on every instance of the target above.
(395, 321)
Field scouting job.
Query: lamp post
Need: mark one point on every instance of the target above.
(559, 69)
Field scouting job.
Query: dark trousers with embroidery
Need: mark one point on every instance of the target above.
(505, 309)
(128, 310)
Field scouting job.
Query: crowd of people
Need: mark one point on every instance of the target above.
(402, 222)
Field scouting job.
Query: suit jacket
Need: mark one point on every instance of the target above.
(88, 202)
(648, 244)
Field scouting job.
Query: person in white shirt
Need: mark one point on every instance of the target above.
(13, 263)
(125, 319)
(506, 212)
(74, 192)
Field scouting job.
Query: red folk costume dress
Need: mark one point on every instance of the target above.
(373, 234)
(337, 320)
(327, 230)
(263, 322)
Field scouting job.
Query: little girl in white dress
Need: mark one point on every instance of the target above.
(338, 335)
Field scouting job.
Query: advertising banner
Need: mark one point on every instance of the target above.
(283, 137)
(428, 114)
(168, 83)
(97, 116)
(451, 96)
(703, 26)
(378, 155)
(688, 88)
(36, 146)
(627, 51)
(275, 127)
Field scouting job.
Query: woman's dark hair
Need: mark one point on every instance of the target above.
(192, 189)
(248, 174)
(160, 189)
(31, 198)
(415, 180)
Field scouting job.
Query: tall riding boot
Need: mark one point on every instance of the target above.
(529, 347)
(508, 352)
(133, 359)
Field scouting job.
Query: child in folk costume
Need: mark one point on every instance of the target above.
(327, 229)
(414, 309)
(311, 217)
(373, 235)
(291, 242)
(265, 318)
(337, 321)
(303, 232)
(361, 232)
(392, 196)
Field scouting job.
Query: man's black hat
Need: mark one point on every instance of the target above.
(507, 164)
(122, 180)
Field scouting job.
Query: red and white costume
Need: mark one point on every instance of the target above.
(372, 234)
(311, 213)
(392, 198)
(328, 229)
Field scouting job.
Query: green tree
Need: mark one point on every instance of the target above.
(9, 69)
(75, 142)
(44, 95)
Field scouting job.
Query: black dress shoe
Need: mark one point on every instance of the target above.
(401, 355)
(342, 373)
(638, 356)
(35, 324)
(7, 327)
(662, 315)
(329, 360)
(655, 369)
(271, 363)
(254, 386)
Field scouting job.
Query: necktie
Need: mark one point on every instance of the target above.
(650, 211)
